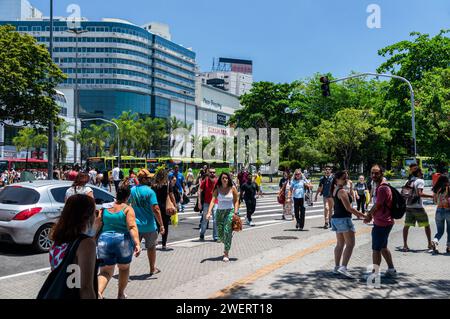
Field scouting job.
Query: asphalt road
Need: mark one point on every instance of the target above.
(16, 259)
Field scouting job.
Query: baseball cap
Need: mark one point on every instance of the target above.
(144, 173)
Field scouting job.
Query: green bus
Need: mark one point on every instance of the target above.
(126, 163)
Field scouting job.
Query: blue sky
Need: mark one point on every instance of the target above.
(286, 39)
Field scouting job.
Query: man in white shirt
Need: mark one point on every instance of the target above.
(92, 176)
(116, 177)
(415, 212)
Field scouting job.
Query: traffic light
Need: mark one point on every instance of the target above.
(325, 86)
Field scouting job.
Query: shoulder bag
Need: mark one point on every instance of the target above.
(170, 208)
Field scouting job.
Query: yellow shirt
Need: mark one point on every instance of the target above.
(258, 180)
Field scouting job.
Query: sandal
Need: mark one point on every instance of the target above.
(405, 249)
(157, 271)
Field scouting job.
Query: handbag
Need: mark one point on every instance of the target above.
(196, 207)
(186, 200)
(170, 207)
(236, 223)
(282, 195)
(55, 286)
(174, 220)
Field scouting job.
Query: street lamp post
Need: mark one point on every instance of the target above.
(118, 132)
(76, 110)
(51, 125)
(412, 98)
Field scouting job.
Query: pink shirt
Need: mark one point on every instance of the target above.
(383, 216)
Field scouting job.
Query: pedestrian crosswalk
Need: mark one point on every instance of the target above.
(268, 211)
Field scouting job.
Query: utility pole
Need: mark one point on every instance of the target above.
(51, 125)
(76, 108)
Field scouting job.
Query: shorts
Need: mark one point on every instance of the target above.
(151, 239)
(114, 248)
(380, 236)
(416, 216)
(342, 225)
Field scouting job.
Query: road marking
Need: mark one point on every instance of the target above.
(24, 273)
(264, 271)
(246, 229)
(265, 211)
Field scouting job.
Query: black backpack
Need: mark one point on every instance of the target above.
(398, 209)
(121, 175)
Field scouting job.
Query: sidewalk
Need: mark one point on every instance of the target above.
(273, 261)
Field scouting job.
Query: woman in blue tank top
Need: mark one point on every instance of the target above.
(118, 239)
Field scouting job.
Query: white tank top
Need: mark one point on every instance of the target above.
(225, 201)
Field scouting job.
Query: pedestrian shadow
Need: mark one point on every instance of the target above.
(220, 258)
(138, 277)
(297, 230)
(165, 250)
(414, 251)
(324, 284)
(14, 250)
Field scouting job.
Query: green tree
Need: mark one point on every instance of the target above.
(411, 59)
(84, 138)
(28, 79)
(62, 133)
(433, 114)
(27, 139)
(344, 135)
(99, 136)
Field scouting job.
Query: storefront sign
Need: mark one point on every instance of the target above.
(212, 103)
(217, 131)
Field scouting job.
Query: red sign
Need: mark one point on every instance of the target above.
(215, 130)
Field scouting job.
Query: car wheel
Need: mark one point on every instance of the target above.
(42, 242)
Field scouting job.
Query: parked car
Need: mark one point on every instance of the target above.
(29, 210)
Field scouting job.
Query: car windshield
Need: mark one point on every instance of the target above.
(13, 195)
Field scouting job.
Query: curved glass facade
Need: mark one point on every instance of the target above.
(111, 103)
(117, 65)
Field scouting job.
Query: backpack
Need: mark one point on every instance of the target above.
(398, 209)
(121, 175)
(409, 192)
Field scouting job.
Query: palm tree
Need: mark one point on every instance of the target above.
(60, 140)
(29, 138)
(98, 138)
(84, 137)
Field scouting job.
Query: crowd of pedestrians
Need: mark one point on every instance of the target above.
(145, 203)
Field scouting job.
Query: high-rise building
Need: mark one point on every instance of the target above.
(121, 67)
(231, 75)
(16, 10)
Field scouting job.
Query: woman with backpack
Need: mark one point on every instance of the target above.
(342, 224)
(442, 199)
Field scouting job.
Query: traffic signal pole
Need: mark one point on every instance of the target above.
(412, 98)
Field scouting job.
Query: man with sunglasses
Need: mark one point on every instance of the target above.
(325, 190)
(207, 189)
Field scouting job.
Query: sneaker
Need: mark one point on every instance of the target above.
(326, 226)
(252, 224)
(435, 244)
(202, 238)
(297, 226)
(226, 259)
(283, 217)
(343, 271)
(390, 273)
(335, 270)
(248, 222)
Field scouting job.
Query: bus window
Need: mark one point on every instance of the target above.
(3, 166)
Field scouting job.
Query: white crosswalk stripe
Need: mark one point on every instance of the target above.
(268, 211)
